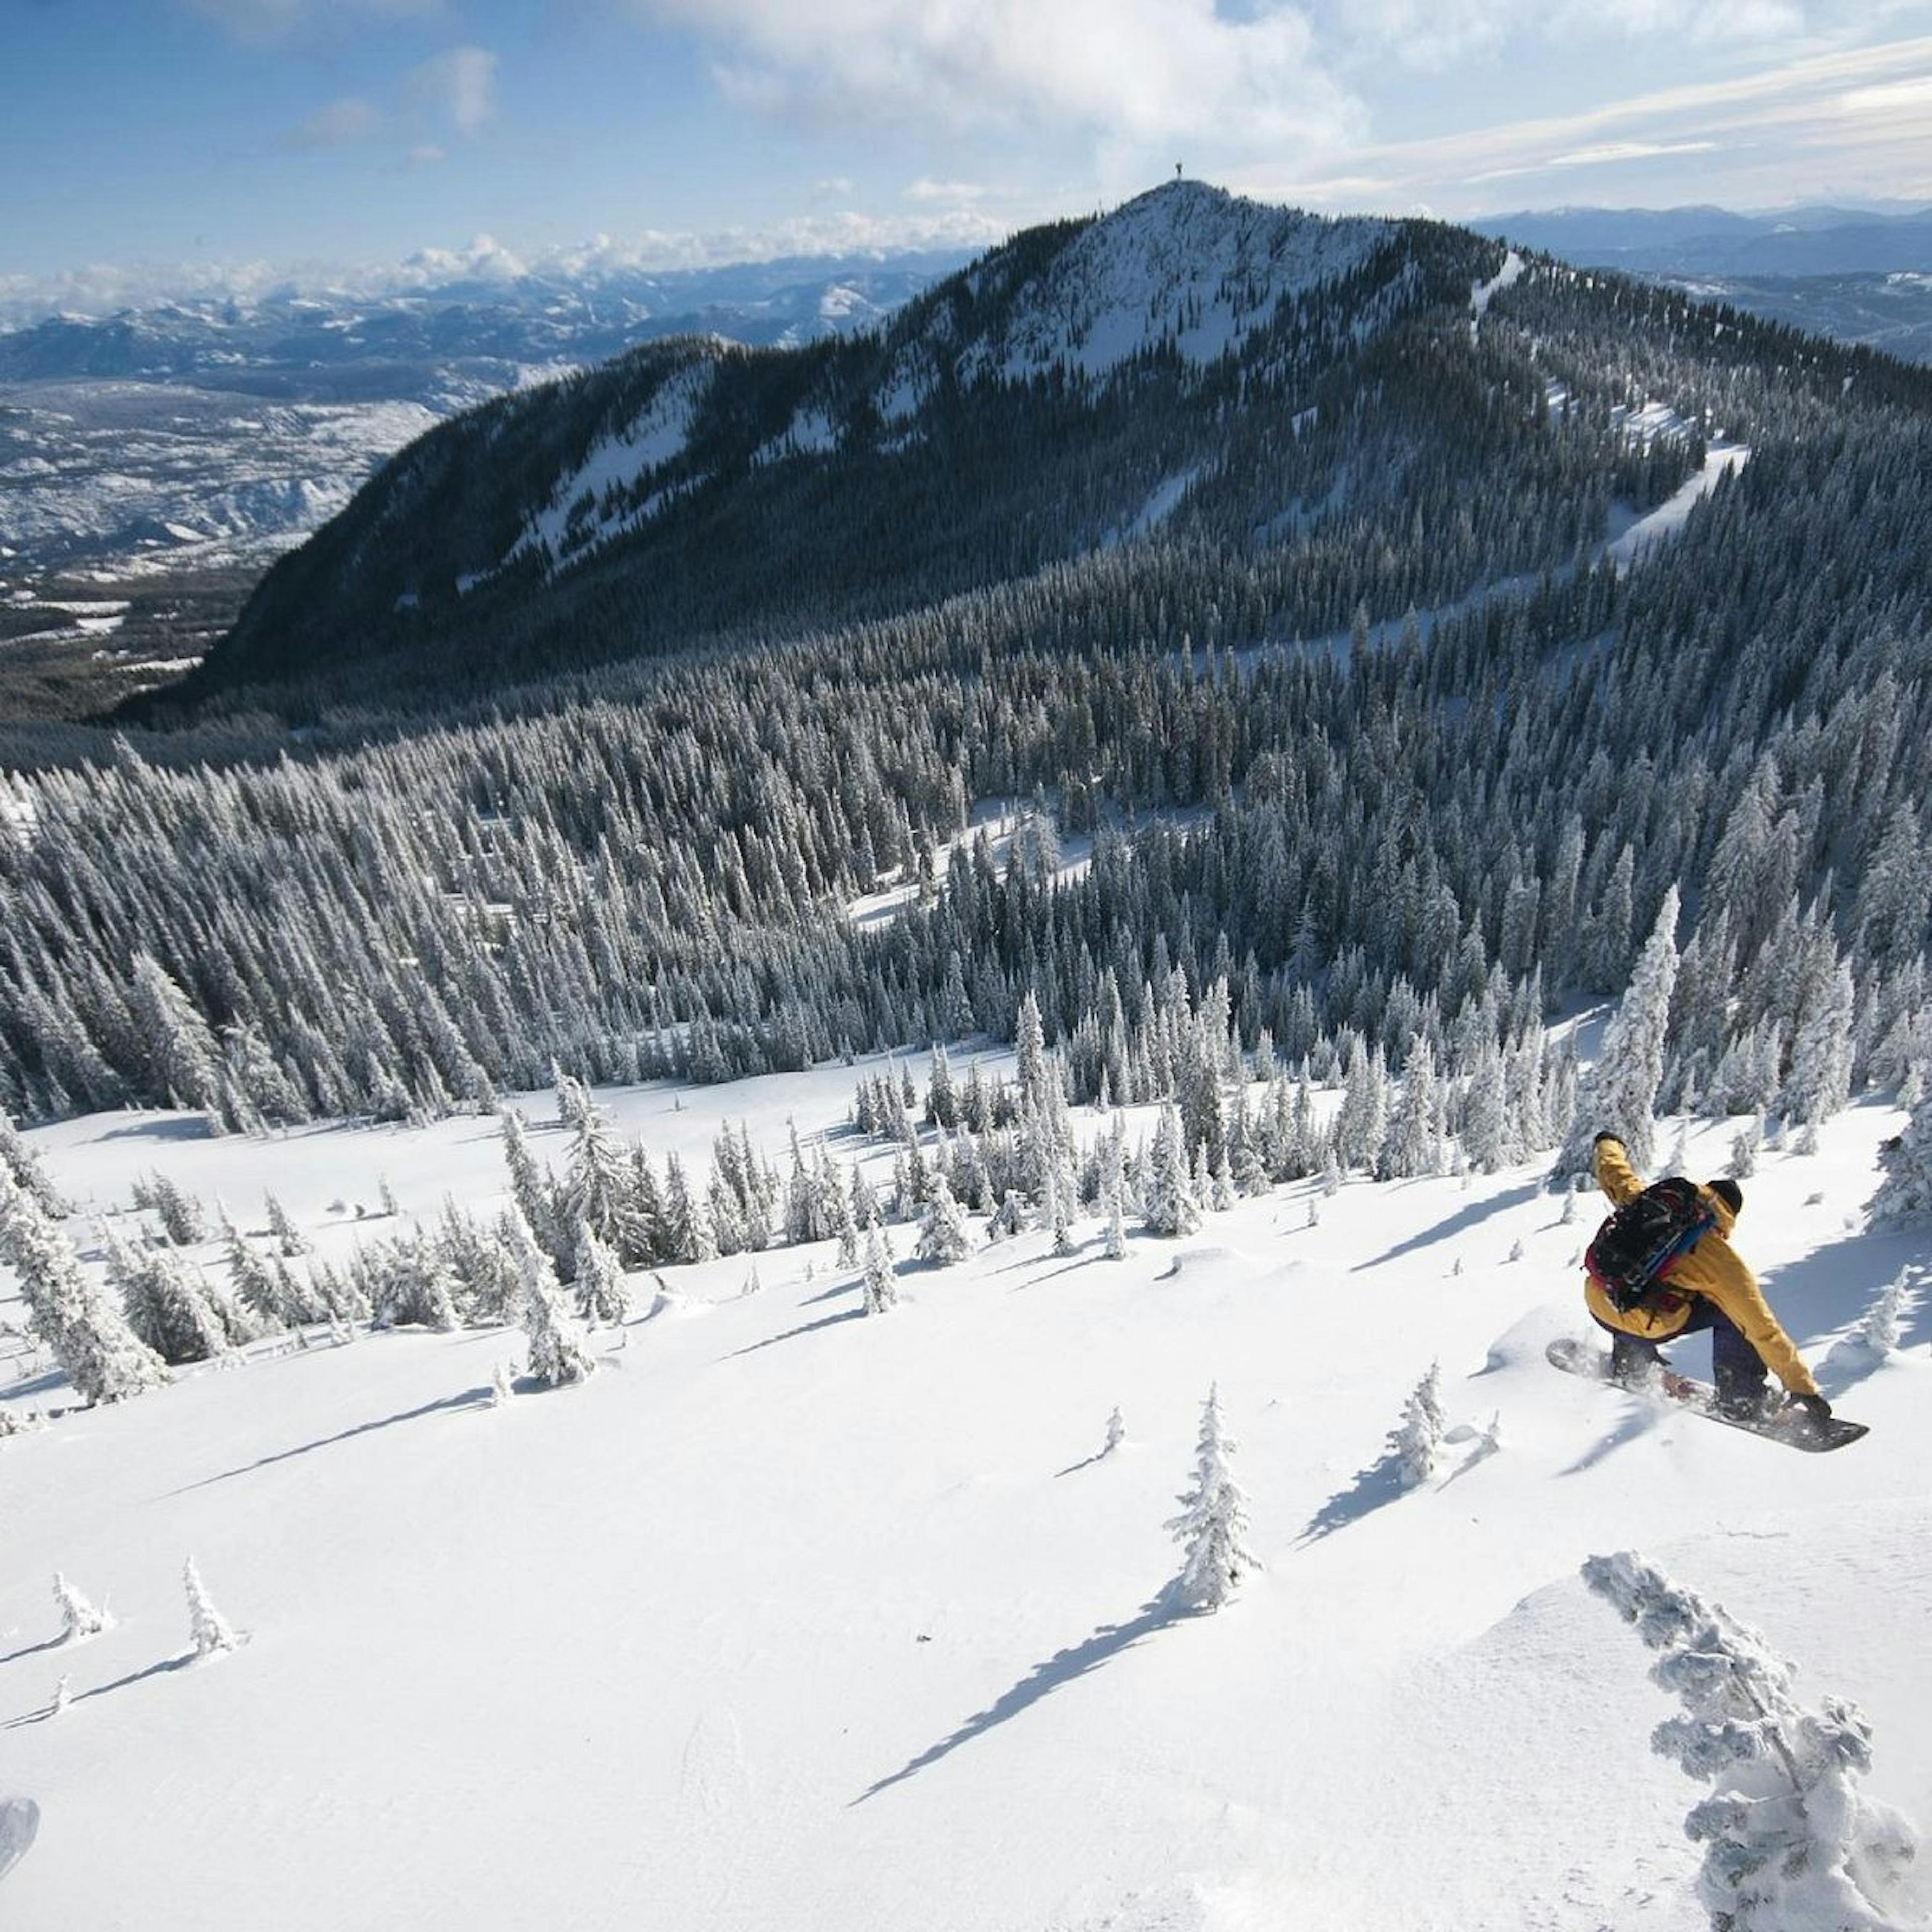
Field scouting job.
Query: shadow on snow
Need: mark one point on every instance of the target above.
(1380, 1483)
(1063, 1667)
(1459, 1223)
(468, 1398)
(804, 1328)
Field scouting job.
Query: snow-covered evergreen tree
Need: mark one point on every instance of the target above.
(1213, 1520)
(602, 1293)
(1486, 1134)
(1413, 1144)
(1877, 1333)
(80, 1617)
(253, 1283)
(103, 1357)
(1361, 1121)
(416, 1286)
(211, 1633)
(1417, 1441)
(289, 1238)
(534, 1193)
(1620, 1089)
(943, 1238)
(558, 1357)
(1904, 1196)
(601, 1188)
(573, 1103)
(1789, 1840)
(185, 1063)
(21, 1161)
(1172, 1206)
(1819, 1082)
(1117, 1433)
(1060, 1217)
(1029, 1042)
(182, 1220)
(881, 1288)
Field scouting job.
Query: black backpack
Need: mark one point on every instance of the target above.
(1643, 1236)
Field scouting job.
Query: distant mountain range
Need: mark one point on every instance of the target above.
(1677, 243)
(1857, 275)
(209, 431)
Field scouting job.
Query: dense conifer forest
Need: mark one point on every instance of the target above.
(1385, 755)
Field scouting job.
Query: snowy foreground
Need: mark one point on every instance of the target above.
(791, 1617)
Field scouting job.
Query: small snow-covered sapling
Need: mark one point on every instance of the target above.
(211, 1632)
(1789, 1839)
(1418, 1439)
(79, 1618)
(1117, 1433)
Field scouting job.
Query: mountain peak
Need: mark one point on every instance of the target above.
(1185, 265)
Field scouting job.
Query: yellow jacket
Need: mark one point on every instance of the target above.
(1712, 1269)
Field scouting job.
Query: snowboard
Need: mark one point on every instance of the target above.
(1790, 1426)
(19, 1819)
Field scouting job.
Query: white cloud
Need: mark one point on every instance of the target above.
(425, 154)
(924, 190)
(106, 289)
(459, 84)
(485, 259)
(1772, 135)
(1136, 71)
(102, 288)
(1435, 34)
(335, 125)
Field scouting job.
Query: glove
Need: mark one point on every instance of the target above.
(1815, 1408)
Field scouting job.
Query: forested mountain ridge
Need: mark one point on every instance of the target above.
(1192, 367)
(1423, 834)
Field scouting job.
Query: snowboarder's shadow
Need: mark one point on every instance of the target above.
(1644, 1415)
(1063, 1667)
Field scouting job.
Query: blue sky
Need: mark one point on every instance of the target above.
(212, 133)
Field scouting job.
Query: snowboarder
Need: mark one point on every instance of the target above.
(1708, 1287)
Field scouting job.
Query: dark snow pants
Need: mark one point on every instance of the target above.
(1736, 1367)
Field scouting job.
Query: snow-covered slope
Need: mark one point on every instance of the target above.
(792, 1618)
(574, 520)
(1186, 264)
(139, 475)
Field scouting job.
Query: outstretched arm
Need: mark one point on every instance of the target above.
(1615, 1174)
